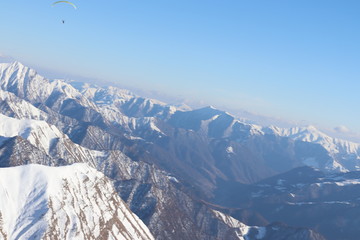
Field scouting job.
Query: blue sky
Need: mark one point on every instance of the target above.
(297, 60)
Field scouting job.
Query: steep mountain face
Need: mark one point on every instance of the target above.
(166, 163)
(13, 106)
(344, 155)
(73, 202)
(48, 140)
(17, 151)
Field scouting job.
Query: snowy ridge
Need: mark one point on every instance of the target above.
(105, 96)
(122, 107)
(149, 122)
(24, 82)
(40, 202)
(242, 230)
(311, 134)
(20, 108)
(345, 154)
(38, 133)
(114, 105)
(115, 99)
(307, 134)
(48, 138)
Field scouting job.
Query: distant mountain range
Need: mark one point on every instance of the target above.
(187, 174)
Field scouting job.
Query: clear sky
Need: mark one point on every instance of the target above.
(298, 60)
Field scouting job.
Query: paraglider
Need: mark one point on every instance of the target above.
(74, 6)
(67, 2)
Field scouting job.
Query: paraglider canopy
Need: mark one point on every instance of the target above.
(74, 6)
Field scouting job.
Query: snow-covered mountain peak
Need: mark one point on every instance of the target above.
(15, 75)
(102, 95)
(61, 86)
(14, 65)
(72, 202)
(312, 134)
(309, 132)
(4, 66)
(311, 128)
(25, 83)
(38, 133)
(345, 155)
(211, 107)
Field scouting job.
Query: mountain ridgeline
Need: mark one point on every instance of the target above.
(187, 174)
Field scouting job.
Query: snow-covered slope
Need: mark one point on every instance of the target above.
(25, 83)
(49, 139)
(345, 154)
(216, 124)
(72, 202)
(13, 106)
(82, 102)
(312, 134)
(39, 133)
(242, 230)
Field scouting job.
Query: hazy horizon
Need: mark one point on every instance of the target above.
(243, 114)
(293, 61)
